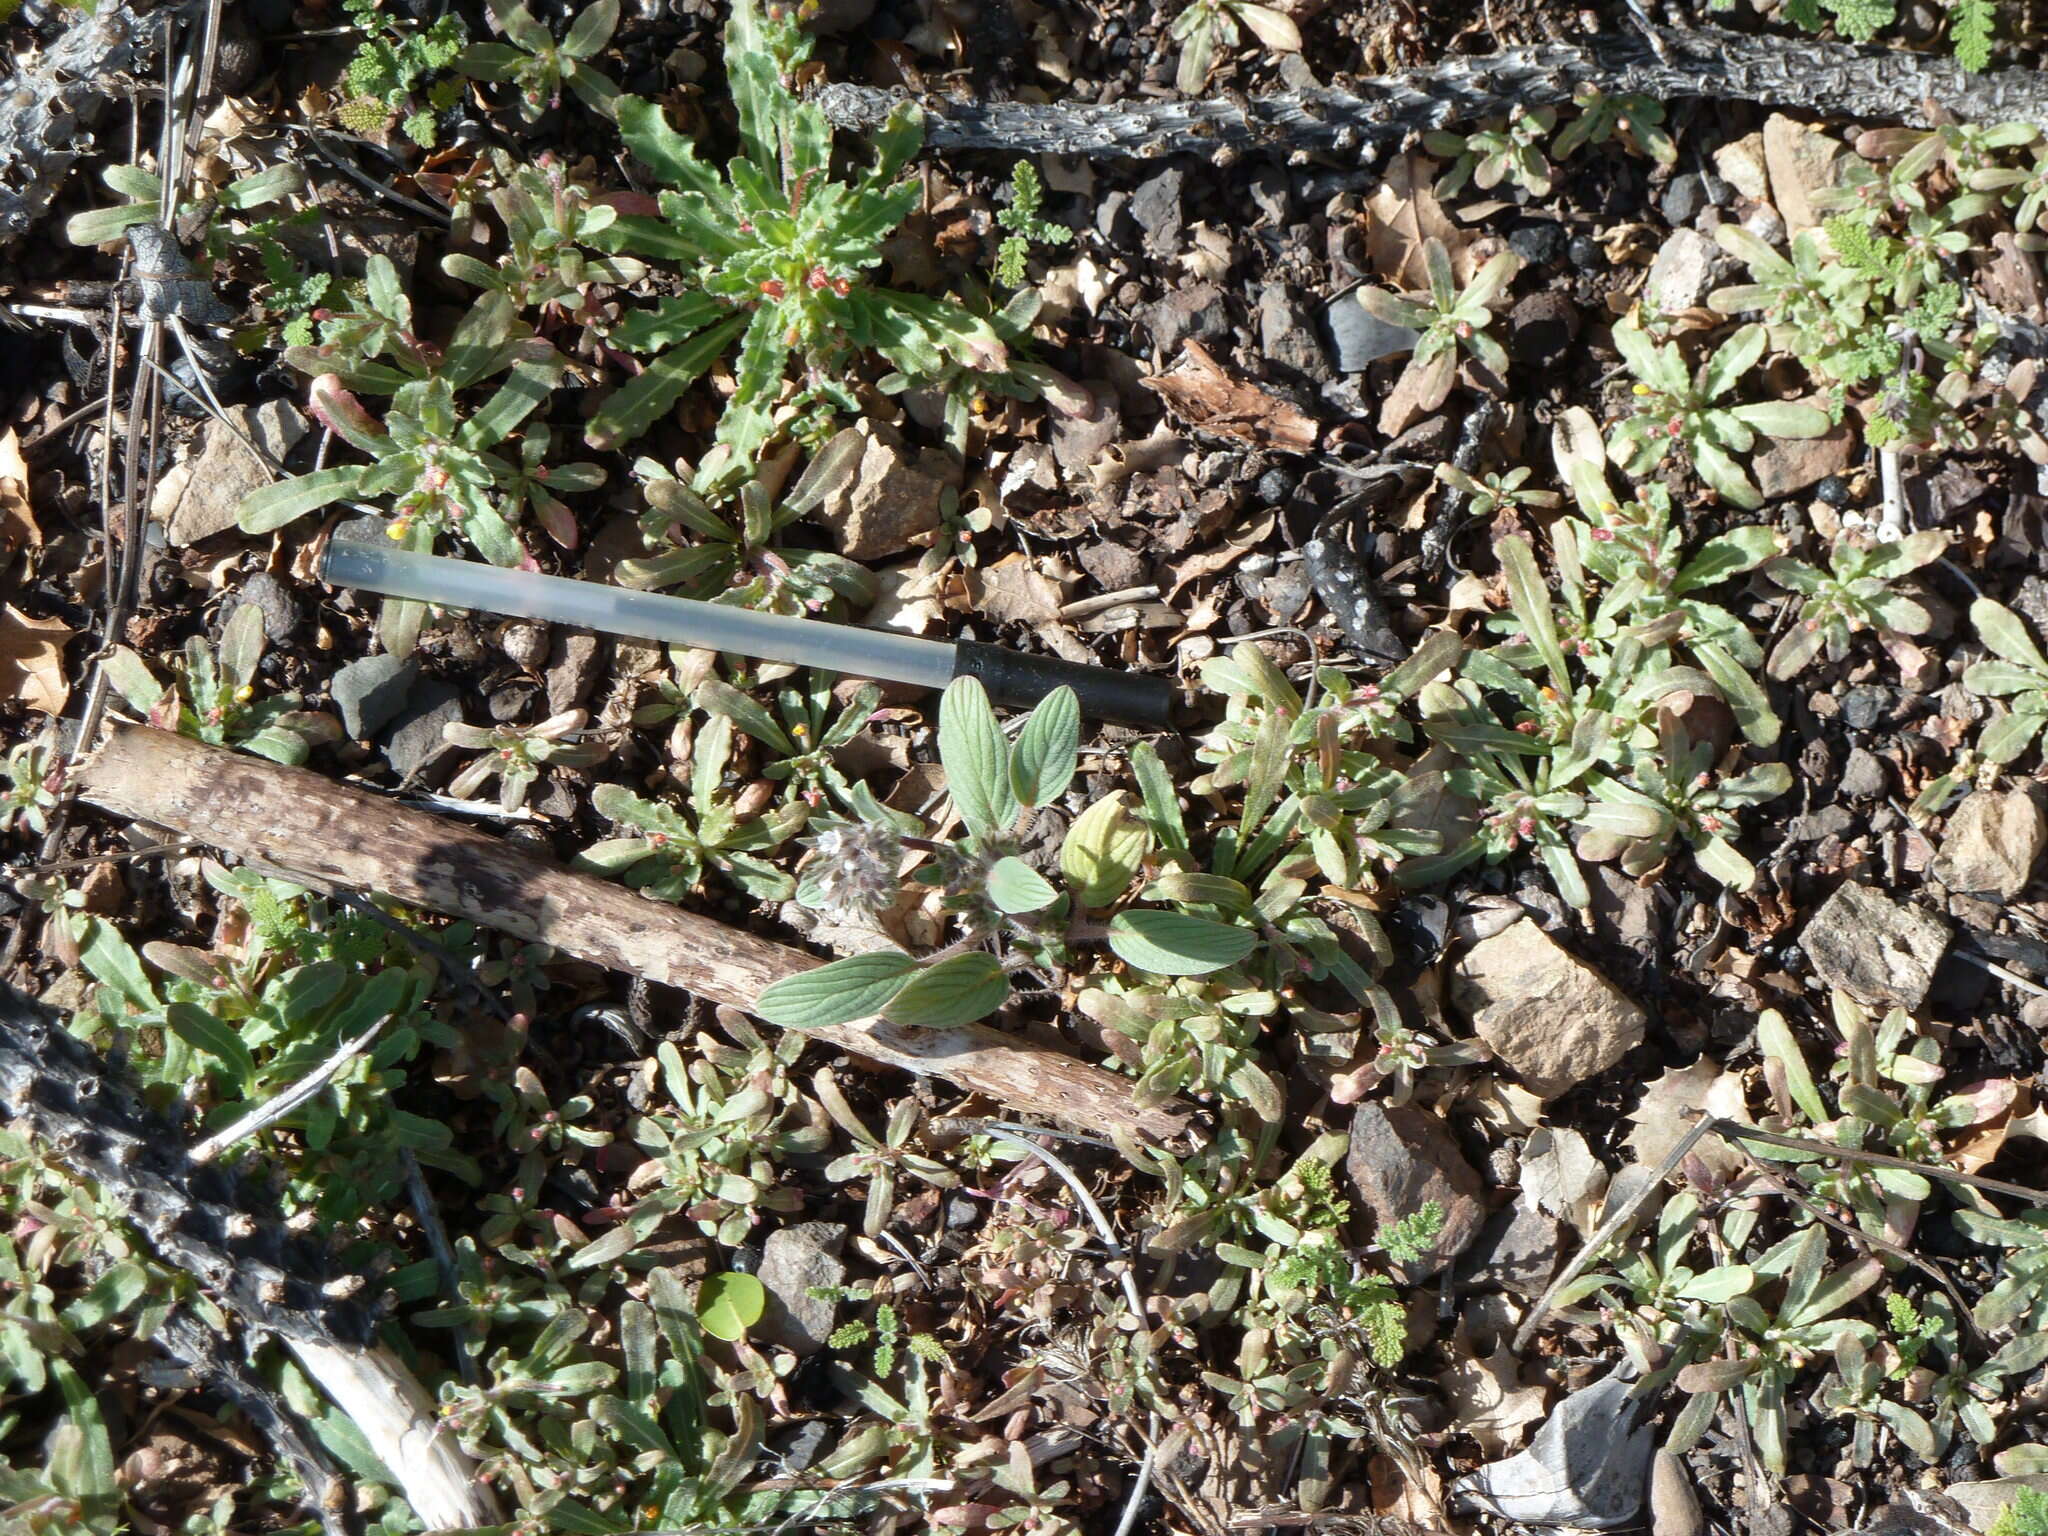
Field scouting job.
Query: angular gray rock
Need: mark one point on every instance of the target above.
(1546, 1013)
(794, 1262)
(1875, 949)
(370, 693)
(1992, 844)
(892, 500)
(1358, 339)
(415, 742)
(1685, 269)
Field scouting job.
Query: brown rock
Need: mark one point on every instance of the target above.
(1992, 844)
(893, 500)
(1791, 464)
(1402, 1158)
(1801, 161)
(1545, 1012)
(1877, 950)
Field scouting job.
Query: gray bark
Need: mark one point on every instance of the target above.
(1374, 116)
(48, 109)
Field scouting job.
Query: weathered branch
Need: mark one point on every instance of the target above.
(212, 1224)
(47, 110)
(338, 837)
(1374, 116)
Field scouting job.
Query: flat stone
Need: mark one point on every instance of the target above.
(415, 743)
(794, 1262)
(1541, 327)
(1400, 1159)
(1685, 270)
(197, 499)
(1802, 161)
(1875, 949)
(1359, 339)
(1992, 843)
(893, 499)
(1741, 165)
(1547, 1014)
(1788, 464)
(370, 693)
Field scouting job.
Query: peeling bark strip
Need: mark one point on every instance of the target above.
(328, 834)
(1375, 115)
(47, 110)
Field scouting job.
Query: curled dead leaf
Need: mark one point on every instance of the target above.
(32, 660)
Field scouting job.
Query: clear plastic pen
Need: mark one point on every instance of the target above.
(1010, 676)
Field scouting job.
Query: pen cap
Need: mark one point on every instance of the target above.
(1019, 681)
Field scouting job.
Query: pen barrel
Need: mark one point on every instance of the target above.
(647, 615)
(1019, 681)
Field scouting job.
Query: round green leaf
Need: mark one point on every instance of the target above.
(1174, 944)
(729, 1304)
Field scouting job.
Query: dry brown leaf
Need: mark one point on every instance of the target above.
(1490, 1402)
(1014, 590)
(1413, 1493)
(32, 660)
(1664, 1116)
(1201, 394)
(1562, 1177)
(18, 528)
(1421, 388)
(1399, 216)
(1211, 562)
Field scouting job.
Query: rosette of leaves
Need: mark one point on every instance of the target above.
(1813, 305)
(212, 695)
(437, 468)
(775, 255)
(735, 559)
(1512, 152)
(1636, 120)
(1209, 25)
(802, 734)
(515, 754)
(966, 387)
(667, 858)
(548, 220)
(2018, 674)
(537, 67)
(32, 771)
(1648, 579)
(1695, 804)
(1680, 406)
(1449, 321)
(993, 783)
(1853, 594)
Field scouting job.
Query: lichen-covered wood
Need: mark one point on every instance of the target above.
(1373, 116)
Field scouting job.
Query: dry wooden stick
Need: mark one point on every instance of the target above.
(339, 837)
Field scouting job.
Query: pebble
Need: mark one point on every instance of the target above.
(1586, 254)
(1865, 706)
(1358, 339)
(573, 668)
(1400, 1159)
(526, 644)
(1539, 242)
(1683, 199)
(1274, 487)
(1864, 776)
(1992, 843)
(270, 597)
